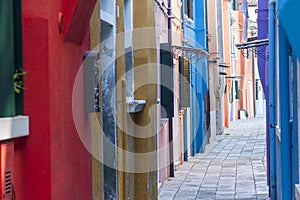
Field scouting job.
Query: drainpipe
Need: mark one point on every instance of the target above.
(171, 62)
(286, 168)
(272, 97)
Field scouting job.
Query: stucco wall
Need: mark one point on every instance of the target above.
(56, 164)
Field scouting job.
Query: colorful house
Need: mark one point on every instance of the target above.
(284, 85)
(242, 94)
(194, 39)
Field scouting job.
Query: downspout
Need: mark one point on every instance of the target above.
(272, 98)
(286, 167)
(171, 63)
(262, 23)
(253, 83)
(186, 148)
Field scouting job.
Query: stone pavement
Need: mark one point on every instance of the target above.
(232, 168)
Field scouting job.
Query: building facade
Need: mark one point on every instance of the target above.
(284, 107)
(50, 39)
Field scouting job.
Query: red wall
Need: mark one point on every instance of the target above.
(52, 162)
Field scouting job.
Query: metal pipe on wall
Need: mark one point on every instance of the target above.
(171, 118)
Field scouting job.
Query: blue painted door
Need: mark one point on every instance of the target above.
(287, 118)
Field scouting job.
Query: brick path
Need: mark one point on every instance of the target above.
(233, 168)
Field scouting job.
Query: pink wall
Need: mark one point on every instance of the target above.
(164, 159)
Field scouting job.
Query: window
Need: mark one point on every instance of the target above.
(188, 8)
(248, 53)
(235, 5)
(167, 84)
(237, 90)
(256, 89)
(184, 70)
(231, 93)
(233, 47)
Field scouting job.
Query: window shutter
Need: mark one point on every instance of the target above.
(184, 70)
(237, 90)
(166, 88)
(7, 100)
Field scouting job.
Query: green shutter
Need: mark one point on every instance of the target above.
(237, 90)
(7, 94)
(166, 89)
(11, 104)
(18, 51)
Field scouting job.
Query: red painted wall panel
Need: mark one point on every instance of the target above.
(36, 152)
(73, 180)
(18, 168)
(56, 165)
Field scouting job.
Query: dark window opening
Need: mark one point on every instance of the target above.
(166, 89)
(235, 5)
(237, 90)
(256, 89)
(248, 53)
(188, 8)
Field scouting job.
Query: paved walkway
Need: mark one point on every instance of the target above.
(233, 168)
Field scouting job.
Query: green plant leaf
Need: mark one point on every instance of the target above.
(18, 80)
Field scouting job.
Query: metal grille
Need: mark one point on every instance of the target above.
(8, 183)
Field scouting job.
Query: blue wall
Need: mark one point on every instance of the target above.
(195, 35)
(286, 144)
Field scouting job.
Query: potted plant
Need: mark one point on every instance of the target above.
(18, 80)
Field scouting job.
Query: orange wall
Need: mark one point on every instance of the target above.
(243, 66)
(227, 55)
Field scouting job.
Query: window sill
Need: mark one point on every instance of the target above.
(134, 106)
(14, 127)
(188, 19)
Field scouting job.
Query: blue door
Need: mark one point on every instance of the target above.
(287, 118)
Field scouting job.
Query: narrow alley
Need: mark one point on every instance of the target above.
(125, 99)
(232, 168)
